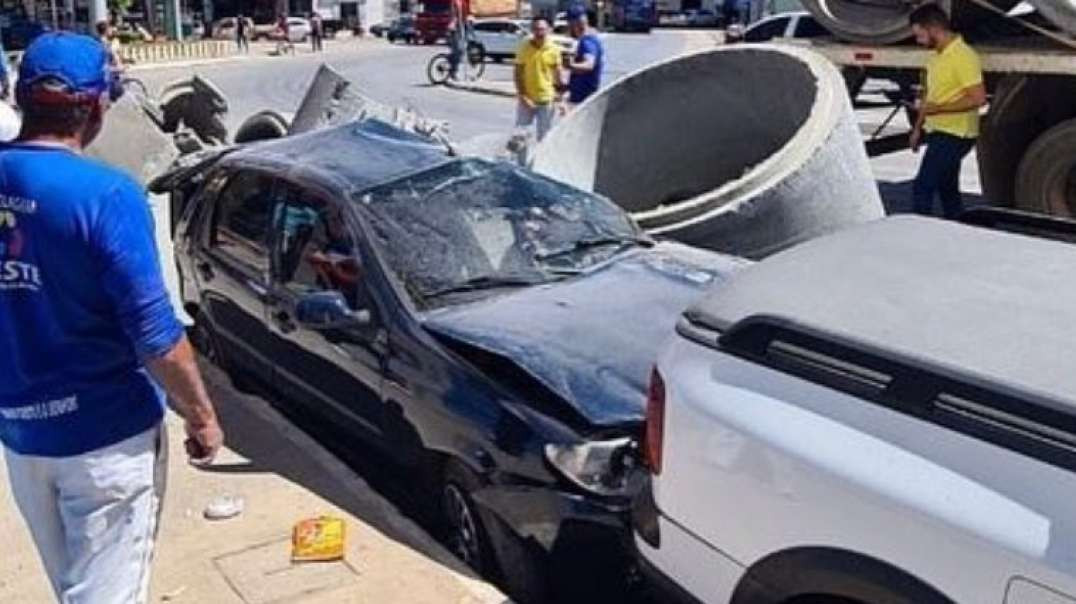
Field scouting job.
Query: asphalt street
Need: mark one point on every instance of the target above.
(396, 74)
(393, 74)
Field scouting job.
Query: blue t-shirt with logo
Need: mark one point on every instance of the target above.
(82, 304)
(582, 85)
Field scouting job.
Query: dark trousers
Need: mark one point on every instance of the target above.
(315, 42)
(242, 43)
(939, 174)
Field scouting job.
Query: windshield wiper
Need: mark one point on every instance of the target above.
(585, 244)
(483, 282)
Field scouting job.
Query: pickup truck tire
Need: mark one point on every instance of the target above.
(1046, 178)
(764, 173)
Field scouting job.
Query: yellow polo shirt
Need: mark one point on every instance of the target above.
(949, 73)
(539, 65)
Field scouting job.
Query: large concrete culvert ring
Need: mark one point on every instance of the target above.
(744, 149)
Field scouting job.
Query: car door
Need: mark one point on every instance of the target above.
(337, 372)
(231, 267)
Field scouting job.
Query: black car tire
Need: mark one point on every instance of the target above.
(465, 532)
(504, 557)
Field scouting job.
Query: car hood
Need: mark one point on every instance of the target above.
(592, 339)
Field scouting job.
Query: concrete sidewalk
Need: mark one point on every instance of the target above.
(283, 476)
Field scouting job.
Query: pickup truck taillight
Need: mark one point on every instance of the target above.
(655, 422)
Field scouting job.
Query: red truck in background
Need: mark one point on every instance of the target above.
(431, 22)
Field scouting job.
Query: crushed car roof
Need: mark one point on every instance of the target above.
(998, 305)
(351, 157)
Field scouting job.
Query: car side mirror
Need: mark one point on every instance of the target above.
(328, 310)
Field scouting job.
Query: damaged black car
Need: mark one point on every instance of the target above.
(485, 324)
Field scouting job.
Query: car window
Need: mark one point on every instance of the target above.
(470, 221)
(767, 30)
(240, 225)
(808, 27)
(315, 248)
(489, 27)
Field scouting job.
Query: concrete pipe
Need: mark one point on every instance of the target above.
(886, 21)
(1062, 13)
(705, 149)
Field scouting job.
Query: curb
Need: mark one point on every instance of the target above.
(157, 54)
(478, 88)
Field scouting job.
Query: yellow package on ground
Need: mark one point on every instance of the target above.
(318, 540)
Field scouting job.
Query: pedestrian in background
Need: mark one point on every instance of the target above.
(89, 340)
(948, 111)
(242, 35)
(283, 30)
(457, 38)
(538, 79)
(586, 66)
(317, 32)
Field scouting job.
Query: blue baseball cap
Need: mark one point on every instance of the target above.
(80, 62)
(577, 12)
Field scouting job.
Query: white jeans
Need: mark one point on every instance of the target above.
(94, 516)
(543, 114)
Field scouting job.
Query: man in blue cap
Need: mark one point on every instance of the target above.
(589, 60)
(89, 341)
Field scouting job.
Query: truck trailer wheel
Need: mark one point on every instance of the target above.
(1046, 179)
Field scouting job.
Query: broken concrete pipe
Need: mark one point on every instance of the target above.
(745, 150)
(886, 21)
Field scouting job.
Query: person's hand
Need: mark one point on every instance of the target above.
(915, 139)
(204, 441)
(562, 109)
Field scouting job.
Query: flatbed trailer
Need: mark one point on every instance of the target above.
(1027, 149)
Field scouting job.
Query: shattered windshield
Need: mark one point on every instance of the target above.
(472, 225)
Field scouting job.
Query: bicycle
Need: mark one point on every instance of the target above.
(439, 69)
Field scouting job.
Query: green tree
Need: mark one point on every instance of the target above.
(119, 6)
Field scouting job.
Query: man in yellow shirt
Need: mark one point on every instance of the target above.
(538, 78)
(948, 113)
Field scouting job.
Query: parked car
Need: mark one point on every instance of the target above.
(883, 415)
(298, 30)
(481, 324)
(224, 29)
(500, 38)
(701, 18)
(402, 29)
(784, 25)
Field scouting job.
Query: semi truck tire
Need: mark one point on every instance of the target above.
(1046, 179)
(1023, 107)
(886, 21)
(701, 149)
(1062, 13)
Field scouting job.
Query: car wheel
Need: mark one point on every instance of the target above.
(490, 548)
(465, 534)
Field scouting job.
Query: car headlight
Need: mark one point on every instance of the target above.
(602, 467)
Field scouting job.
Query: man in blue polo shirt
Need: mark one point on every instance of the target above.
(589, 60)
(89, 341)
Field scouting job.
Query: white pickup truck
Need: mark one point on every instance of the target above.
(883, 415)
